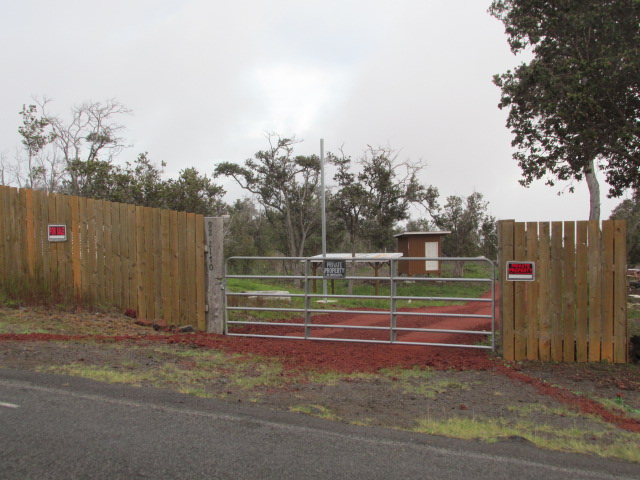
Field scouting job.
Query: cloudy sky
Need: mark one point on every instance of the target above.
(206, 79)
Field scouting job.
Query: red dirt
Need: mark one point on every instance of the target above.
(354, 357)
(317, 355)
(366, 357)
(584, 405)
(382, 319)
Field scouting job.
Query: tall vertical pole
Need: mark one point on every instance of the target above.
(324, 216)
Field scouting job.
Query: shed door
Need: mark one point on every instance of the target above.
(431, 251)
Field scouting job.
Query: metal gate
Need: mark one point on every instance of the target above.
(285, 297)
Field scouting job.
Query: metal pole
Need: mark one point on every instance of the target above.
(324, 215)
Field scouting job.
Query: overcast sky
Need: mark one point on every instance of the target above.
(207, 79)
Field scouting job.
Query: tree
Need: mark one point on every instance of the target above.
(348, 203)
(286, 186)
(4, 165)
(192, 192)
(34, 139)
(575, 107)
(371, 202)
(92, 179)
(391, 187)
(92, 135)
(420, 225)
(249, 233)
(473, 232)
(141, 183)
(40, 169)
(629, 210)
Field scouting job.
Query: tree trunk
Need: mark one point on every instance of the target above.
(353, 264)
(458, 269)
(594, 191)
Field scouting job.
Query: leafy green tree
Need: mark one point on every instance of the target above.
(372, 201)
(349, 202)
(193, 192)
(472, 230)
(139, 183)
(286, 186)
(420, 225)
(92, 179)
(248, 234)
(36, 135)
(391, 187)
(575, 107)
(93, 134)
(629, 210)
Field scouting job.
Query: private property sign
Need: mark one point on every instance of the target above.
(334, 268)
(521, 271)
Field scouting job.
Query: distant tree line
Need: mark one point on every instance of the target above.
(77, 156)
(368, 199)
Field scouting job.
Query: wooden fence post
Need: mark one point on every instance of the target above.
(214, 235)
(505, 253)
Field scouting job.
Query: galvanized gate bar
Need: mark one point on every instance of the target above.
(394, 314)
(367, 297)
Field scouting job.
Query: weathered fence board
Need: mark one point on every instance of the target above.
(620, 328)
(556, 290)
(506, 251)
(595, 291)
(140, 258)
(175, 267)
(607, 289)
(582, 318)
(531, 294)
(575, 309)
(569, 292)
(544, 275)
(519, 249)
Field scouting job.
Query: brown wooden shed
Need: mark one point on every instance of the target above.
(420, 244)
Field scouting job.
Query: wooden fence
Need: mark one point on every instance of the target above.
(140, 258)
(575, 309)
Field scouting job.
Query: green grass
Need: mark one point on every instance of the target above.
(332, 378)
(624, 446)
(16, 291)
(421, 381)
(620, 404)
(633, 317)
(319, 411)
(17, 327)
(184, 370)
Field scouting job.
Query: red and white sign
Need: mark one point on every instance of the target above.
(521, 271)
(57, 233)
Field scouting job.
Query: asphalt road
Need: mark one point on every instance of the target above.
(62, 427)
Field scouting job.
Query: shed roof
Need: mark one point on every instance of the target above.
(407, 234)
(363, 257)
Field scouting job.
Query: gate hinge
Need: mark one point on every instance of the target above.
(206, 308)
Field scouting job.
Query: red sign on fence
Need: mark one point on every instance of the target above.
(57, 233)
(521, 271)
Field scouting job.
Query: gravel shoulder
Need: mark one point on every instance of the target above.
(587, 408)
